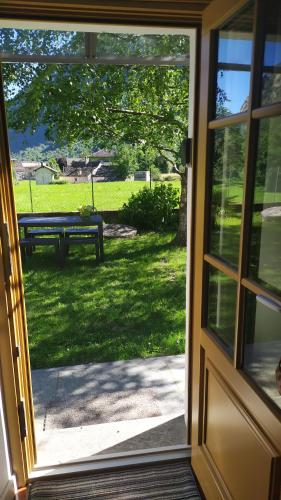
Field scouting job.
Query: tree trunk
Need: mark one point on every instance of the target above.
(182, 228)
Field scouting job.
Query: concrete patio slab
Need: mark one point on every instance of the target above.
(86, 397)
(84, 443)
(102, 408)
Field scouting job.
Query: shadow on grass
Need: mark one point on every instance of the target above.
(132, 305)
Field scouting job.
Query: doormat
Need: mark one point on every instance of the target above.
(101, 408)
(173, 481)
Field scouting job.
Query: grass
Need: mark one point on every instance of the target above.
(68, 197)
(131, 306)
(235, 192)
(108, 195)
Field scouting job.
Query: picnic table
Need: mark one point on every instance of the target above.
(65, 221)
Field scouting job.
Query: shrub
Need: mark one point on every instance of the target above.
(59, 181)
(155, 174)
(152, 208)
(170, 177)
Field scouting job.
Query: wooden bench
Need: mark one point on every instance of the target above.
(77, 239)
(33, 233)
(27, 244)
(69, 233)
(81, 231)
(45, 232)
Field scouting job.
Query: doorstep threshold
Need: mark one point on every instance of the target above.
(116, 460)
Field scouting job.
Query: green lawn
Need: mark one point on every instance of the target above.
(108, 195)
(235, 192)
(132, 305)
(68, 197)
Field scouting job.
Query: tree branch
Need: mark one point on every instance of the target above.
(160, 118)
(162, 148)
(164, 156)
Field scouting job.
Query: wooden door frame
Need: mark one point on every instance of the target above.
(16, 369)
(210, 478)
(14, 348)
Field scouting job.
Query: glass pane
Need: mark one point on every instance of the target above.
(227, 192)
(110, 44)
(222, 307)
(262, 350)
(265, 255)
(235, 42)
(41, 42)
(271, 91)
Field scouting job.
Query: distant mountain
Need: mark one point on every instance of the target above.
(25, 144)
(19, 141)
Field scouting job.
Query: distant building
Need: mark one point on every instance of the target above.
(77, 162)
(44, 174)
(142, 175)
(25, 170)
(75, 179)
(79, 174)
(103, 154)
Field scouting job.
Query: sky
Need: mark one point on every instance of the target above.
(236, 84)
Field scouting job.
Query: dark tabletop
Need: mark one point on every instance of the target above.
(66, 220)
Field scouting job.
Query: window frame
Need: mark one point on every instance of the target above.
(251, 118)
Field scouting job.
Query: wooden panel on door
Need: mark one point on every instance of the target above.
(233, 442)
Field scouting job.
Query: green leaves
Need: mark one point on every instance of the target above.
(152, 208)
(111, 103)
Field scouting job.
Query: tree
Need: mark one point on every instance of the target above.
(138, 105)
(125, 162)
(54, 164)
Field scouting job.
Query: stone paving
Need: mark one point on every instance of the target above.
(118, 231)
(91, 409)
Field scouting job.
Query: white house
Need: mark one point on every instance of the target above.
(44, 174)
(142, 175)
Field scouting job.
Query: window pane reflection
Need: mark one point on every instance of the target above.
(265, 255)
(222, 307)
(234, 64)
(41, 42)
(115, 44)
(262, 350)
(271, 91)
(227, 192)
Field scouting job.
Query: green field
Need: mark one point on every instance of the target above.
(68, 197)
(107, 195)
(130, 306)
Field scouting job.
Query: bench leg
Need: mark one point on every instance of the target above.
(29, 251)
(33, 248)
(97, 245)
(61, 252)
(66, 246)
(22, 248)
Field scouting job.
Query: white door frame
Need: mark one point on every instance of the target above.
(171, 452)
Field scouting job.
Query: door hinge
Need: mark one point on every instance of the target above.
(22, 421)
(7, 250)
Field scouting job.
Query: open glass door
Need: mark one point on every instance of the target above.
(46, 400)
(236, 431)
